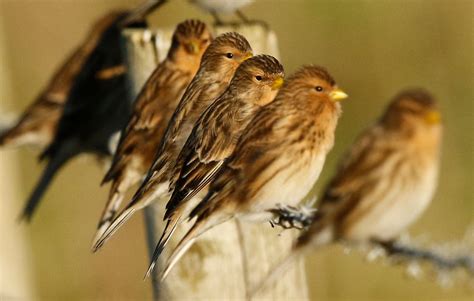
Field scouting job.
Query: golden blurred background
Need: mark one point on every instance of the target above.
(373, 49)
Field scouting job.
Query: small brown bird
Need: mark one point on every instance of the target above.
(278, 158)
(38, 123)
(217, 67)
(153, 109)
(215, 135)
(385, 181)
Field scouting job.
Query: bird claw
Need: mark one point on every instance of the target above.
(290, 217)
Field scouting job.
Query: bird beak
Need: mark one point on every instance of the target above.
(247, 56)
(277, 83)
(433, 117)
(192, 48)
(338, 94)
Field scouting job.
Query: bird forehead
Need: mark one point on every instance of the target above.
(234, 41)
(263, 64)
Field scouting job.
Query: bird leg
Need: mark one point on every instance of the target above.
(289, 217)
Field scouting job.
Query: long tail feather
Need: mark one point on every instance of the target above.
(164, 239)
(108, 215)
(116, 224)
(186, 242)
(56, 161)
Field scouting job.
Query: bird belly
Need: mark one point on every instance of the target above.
(288, 187)
(396, 212)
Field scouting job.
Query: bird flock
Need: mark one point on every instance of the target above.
(219, 133)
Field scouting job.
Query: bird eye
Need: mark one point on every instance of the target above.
(229, 55)
(319, 88)
(258, 77)
(205, 41)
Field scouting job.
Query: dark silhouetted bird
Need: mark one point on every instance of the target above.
(98, 106)
(38, 123)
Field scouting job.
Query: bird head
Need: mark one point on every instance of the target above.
(190, 40)
(314, 82)
(413, 108)
(225, 54)
(262, 76)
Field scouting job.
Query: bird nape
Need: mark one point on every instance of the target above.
(98, 106)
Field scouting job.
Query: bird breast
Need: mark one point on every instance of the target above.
(393, 204)
(288, 181)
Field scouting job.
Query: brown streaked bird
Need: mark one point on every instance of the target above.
(38, 123)
(153, 109)
(385, 181)
(217, 67)
(215, 135)
(277, 160)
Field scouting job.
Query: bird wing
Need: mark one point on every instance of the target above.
(212, 140)
(253, 154)
(166, 152)
(152, 110)
(358, 170)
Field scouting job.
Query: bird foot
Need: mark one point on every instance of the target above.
(290, 217)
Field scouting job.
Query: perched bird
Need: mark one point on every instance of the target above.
(38, 123)
(278, 158)
(98, 105)
(217, 67)
(215, 135)
(152, 111)
(385, 181)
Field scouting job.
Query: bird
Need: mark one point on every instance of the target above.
(98, 105)
(277, 160)
(151, 113)
(218, 64)
(37, 125)
(215, 134)
(384, 182)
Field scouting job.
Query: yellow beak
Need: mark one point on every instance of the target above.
(247, 56)
(338, 94)
(433, 117)
(277, 83)
(192, 48)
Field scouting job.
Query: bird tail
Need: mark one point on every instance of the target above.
(114, 226)
(170, 227)
(186, 242)
(108, 214)
(56, 161)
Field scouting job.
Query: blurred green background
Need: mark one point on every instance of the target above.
(373, 49)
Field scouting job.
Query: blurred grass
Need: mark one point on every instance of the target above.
(373, 48)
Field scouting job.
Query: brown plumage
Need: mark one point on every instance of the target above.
(385, 181)
(38, 123)
(277, 159)
(389, 175)
(152, 111)
(217, 67)
(215, 134)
